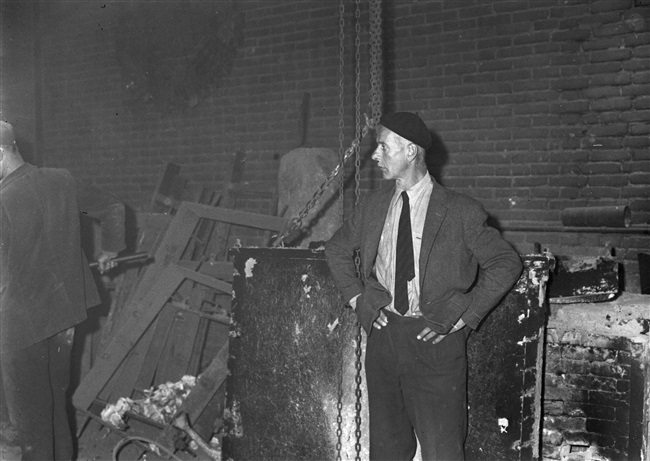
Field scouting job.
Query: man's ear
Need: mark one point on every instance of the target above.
(412, 151)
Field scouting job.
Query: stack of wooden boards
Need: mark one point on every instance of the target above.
(171, 318)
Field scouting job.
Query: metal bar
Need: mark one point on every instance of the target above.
(215, 318)
(143, 256)
(585, 230)
(241, 218)
(204, 279)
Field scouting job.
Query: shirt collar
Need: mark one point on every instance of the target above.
(417, 188)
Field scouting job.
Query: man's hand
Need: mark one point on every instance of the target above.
(381, 321)
(353, 302)
(104, 261)
(429, 335)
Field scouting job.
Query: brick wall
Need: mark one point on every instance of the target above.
(587, 400)
(597, 384)
(540, 104)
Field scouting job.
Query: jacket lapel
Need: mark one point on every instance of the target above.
(378, 213)
(436, 212)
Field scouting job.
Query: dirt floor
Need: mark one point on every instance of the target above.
(98, 443)
(95, 444)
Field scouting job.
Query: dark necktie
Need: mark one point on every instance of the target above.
(404, 264)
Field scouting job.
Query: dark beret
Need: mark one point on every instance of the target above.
(409, 126)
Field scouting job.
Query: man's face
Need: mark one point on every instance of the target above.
(390, 154)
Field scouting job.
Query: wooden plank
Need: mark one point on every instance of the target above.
(151, 228)
(124, 339)
(204, 279)
(122, 382)
(218, 245)
(170, 249)
(207, 385)
(179, 338)
(149, 351)
(144, 376)
(241, 218)
(157, 284)
(222, 270)
(169, 190)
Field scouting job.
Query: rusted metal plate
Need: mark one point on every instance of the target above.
(505, 368)
(291, 345)
(586, 279)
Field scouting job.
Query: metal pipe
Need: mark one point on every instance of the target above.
(606, 216)
(143, 256)
(585, 230)
(182, 423)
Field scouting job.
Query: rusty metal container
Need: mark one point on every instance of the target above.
(295, 391)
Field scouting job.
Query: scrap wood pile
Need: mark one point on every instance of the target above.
(164, 345)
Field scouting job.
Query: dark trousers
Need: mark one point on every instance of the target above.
(36, 381)
(416, 388)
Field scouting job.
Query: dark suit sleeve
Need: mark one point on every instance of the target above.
(108, 211)
(499, 267)
(339, 251)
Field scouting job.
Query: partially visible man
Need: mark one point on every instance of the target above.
(45, 289)
(430, 268)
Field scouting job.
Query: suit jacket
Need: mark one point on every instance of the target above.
(466, 267)
(45, 283)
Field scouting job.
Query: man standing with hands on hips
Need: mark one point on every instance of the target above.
(430, 268)
(45, 289)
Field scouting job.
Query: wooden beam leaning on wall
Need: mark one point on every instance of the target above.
(157, 285)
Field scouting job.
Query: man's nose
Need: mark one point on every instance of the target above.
(374, 156)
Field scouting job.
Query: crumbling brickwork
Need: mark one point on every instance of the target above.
(597, 384)
(587, 401)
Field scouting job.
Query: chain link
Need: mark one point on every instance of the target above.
(376, 96)
(339, 402)
(376, 99)
(357, 193)
(357, 105)
(376, 61)
(296, 223)
(357, 405)
(341, 106)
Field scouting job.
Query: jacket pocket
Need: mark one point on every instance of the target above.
(374, 297)
(443, 313)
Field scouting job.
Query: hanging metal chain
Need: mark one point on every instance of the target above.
(296, 223)
(376, 84)
(341, 106)
(357, 259)
(357, 105)
(339, 401)
(376, 61)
